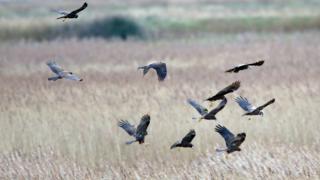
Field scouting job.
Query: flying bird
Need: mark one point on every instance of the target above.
(60, 73)
(211, 115)
(73, 14)
(201, 110)
(138, 133)
(160, 68)
(232, 142)
(186, 141)
(229, 89)
(241, 67)
(249, 108)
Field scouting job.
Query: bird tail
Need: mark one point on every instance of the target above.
(53, 78)
(221, 150)
(130, 142)
(62, 17)
(174, 145)
(145, 69)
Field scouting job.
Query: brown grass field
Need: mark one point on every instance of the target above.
(68, 130)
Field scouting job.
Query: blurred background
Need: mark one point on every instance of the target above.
(68, 130)
(35, 20)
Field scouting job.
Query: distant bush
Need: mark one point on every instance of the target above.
(113, 27)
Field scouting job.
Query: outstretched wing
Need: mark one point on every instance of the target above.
(189, 137)
(55, 67)
(85, 5)
(259, 63)
(225, 133)
(232, 87)
(161, 69)
(130, 129)
(73, 77)
(266, 104)
(213, 112)
(143, 125)
(245, 104)
(60, 12)
(230, 70)
(202, 110)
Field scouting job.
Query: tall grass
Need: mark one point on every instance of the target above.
(66, 129)
(36, 21)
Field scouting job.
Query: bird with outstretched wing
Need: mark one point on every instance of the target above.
(229, 89)
(241, 67)
(159, 67)
(186, 140)
(73, 14)
(138, 133)
(211, 115)
(249, 108)
(60, 73)
(232, 142)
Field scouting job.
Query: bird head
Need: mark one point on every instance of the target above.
(242, 135)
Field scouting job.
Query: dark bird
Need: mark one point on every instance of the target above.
(229, 89)
(73, 14)
(186, 141)
(160, 68)
(61, 73)
(138, 133)
(249, 108)
(211, 115)
(232, 142)
(241, 67)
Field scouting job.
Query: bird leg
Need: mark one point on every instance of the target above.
(200, 119)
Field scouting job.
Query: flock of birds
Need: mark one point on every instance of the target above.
(232, 141)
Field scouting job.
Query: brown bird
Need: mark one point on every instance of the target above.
(212, 114)
(250, 109)
(138, 133)
(73, 14)
(241, 67)
(229, 89)
(232, 142)
(186, 141)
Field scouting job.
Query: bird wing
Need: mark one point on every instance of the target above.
(213, 112)
(130, 129)
(161, 69)
(60, 12)
(245, 104)
(225, 133)
(143, 125)
(232, 87)
(258, 63)
(72, 76)
(266, 104)
(230, 70)
(202, 110)
(189, 137)
(55, 67)
(80, 9)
